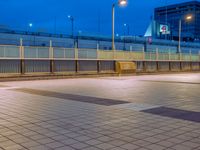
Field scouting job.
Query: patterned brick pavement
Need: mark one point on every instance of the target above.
(38, 122)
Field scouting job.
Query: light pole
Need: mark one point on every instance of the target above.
(125, 26)
(72, 22)
(30, 25)
(187, 18)
(128, 28)
(120, 3)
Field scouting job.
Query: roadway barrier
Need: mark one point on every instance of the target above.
(151, 66)
(163, 66)
(175, 66)
(186, 66)
(87, 66)
(106, 66)
(10, 66)
(64, 66)
(195, 66)
(27, 59)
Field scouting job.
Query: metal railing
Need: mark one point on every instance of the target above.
(27, 52)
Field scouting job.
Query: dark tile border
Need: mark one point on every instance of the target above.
(80, 98)
(175, 113)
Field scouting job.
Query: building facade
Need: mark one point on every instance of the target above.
(168, 18)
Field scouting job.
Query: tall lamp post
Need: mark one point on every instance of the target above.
(128, 28)
(120, 3)
(30, 25)
(72, 22)
(187, 18)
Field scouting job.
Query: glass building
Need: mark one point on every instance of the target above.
(188, 13)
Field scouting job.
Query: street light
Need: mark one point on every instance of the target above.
(125, 26)
(72, 22)
(128, 28)
(187, 18)
(30, 25)
(120, 3)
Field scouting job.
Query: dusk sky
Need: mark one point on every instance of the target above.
(44, 14)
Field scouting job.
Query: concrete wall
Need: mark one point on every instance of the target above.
(10, 66)
(107, 66)
(195, 66)
(88, 66)
(186, 66)
(175, 66)
(163, 66)
(151, 66)
(65, 66)
(32, 66)
(140, 66)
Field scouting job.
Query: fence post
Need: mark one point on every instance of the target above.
(143, 53)
(131, 48)
(150, 54)
(76, 56)
(97, 54)
(180, 56)
(51, 53)
(190, 55)
(22, 61)
(199, 60)
(169, 53)
(114, 51)
(97, 46)
(157, 54)
(199, 55)
(76, 51)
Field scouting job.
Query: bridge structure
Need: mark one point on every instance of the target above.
(23, 60)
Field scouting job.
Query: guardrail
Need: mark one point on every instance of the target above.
(51, 53)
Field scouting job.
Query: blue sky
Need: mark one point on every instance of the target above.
(42, 13)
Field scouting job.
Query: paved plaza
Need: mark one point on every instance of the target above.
(149, 112)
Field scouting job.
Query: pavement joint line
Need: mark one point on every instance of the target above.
(171, 82)
(9, 88)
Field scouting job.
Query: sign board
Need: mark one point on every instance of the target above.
(164, 29)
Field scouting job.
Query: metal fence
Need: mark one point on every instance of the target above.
(55, 53)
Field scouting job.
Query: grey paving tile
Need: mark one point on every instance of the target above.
(93, 142)
(41, 147)
(65, 148)
(54, 122)
(105, 146)
(181, 147)
(54, 145)
(130, 146)
(155, 147)
(79, 145)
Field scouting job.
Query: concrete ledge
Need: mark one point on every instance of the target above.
(48, 76)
